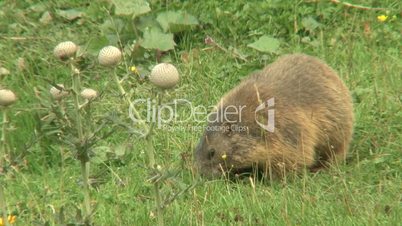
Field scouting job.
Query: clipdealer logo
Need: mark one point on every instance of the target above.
(182, 111)
(269, 125)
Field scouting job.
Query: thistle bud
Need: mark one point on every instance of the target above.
(164, 75)
(109, 56)
(7, 97)
(89, 94)
(65, 50)
(58, 94)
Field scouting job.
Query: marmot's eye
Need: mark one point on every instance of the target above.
(211, 153)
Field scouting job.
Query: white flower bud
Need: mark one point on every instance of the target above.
(89, 94)
(58, 94)
(164, 75)
(7, 97)
(109, 56)
(65, 50)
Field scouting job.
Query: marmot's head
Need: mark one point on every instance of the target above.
(225, 148)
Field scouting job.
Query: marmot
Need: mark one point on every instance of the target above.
(294, 114)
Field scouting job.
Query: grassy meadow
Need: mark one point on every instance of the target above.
(40, 173)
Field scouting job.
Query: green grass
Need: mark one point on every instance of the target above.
(44, 177)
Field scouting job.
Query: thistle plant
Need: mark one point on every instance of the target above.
(163, 76)
(7, 98)
(77, 132)
(77, 127)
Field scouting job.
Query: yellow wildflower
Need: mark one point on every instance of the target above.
(224, 156)
(11, 219)
(134, 70)
(382, 18)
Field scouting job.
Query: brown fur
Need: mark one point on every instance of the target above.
(313, 121)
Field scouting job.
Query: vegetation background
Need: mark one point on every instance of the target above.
(43, 186)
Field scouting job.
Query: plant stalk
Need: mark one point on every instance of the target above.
(85, 181)
(76, 88)
(158, 200)
(3, 149)
(149, 146)
(82, 153)
(120, 87)
(127, 99)
(3, 140)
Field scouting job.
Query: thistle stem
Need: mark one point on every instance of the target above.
(85, 181)
(127, 99)
(120, 87)
(3, 139)
(3, 205)
(82, 153)
(158, 200)
(76, 88)
(149, 146)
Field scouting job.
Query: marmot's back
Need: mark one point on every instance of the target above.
(312, 125)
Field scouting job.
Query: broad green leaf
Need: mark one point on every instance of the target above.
(145, 22)
(156, 39)
(97, 43)
(112, 27)
(310, 24)
(266, 44)
(176, 21)
(132, 8)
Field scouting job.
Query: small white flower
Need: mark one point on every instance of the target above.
(58, 94)
(109, 56)
(164, 75)
(65, 50)
(77, 71)
(7, 97)
(89, 94)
